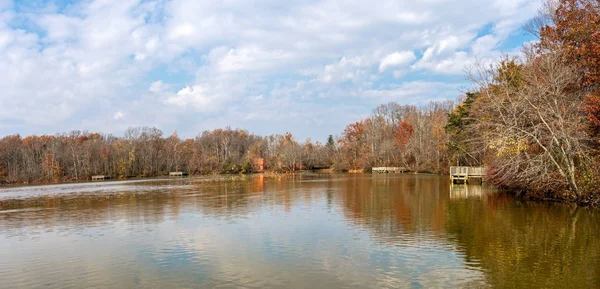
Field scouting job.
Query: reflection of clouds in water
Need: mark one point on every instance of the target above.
(111, 187)
(270, 245)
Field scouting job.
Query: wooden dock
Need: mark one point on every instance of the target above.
(462, 175)
(386, 170)
(99, 178)
(177, 174)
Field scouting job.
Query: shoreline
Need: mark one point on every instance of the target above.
(573, 201)
(167, 177)
(582, 202)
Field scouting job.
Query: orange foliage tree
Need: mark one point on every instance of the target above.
(353, 144)
(403, 133)
(575, 29)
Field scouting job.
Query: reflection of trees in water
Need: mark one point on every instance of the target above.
(76, 211)
(517, 244)
(150, 204)
(521, 244)
(467, 191)
(395, 206)
(221, 198)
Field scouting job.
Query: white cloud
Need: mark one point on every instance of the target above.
(183, 30)
(483, 45)
(251, 58)
(195, 97)
(158, 87)
(397, 59)
(256, 98)
(77, 64)
(347, 69)
(412, 92)
(119, 115)
(413, 18)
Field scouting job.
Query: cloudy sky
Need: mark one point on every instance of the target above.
(304, 66)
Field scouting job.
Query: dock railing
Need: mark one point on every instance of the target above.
(462, 174)
(389, 170)
(476, 172)
(99, 178)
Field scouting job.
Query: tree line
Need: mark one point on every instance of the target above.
(394, 135)
(397, 135)
(146, 152)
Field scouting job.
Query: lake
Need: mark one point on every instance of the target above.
(306, 231)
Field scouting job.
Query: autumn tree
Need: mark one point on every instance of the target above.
(530, 125)
(353, 143)
(290, 153)
(403, 133)
(574, 28)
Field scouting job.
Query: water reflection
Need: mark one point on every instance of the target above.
(462, 191)
(322, 231)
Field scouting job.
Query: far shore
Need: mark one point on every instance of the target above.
(214, 175)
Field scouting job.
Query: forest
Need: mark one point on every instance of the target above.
(394, 135)
(532, 119)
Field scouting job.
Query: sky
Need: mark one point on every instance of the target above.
(309, 67)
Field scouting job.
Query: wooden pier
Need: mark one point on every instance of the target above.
(99, 178)
(177, 174)
(462, 175)
(386, 170)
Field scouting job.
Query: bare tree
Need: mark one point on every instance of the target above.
(531, 123)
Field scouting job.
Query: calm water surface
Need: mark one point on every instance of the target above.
(328, 231)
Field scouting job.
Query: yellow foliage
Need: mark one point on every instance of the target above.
(507, 146)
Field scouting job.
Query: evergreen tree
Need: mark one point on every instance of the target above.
(330, 142)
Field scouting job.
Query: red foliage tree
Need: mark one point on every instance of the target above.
(353, 143)
(575, 29)
(403, 133)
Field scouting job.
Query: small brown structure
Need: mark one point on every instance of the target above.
(462, 175)
(99, 178)
(385, 170)
(258, 164)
